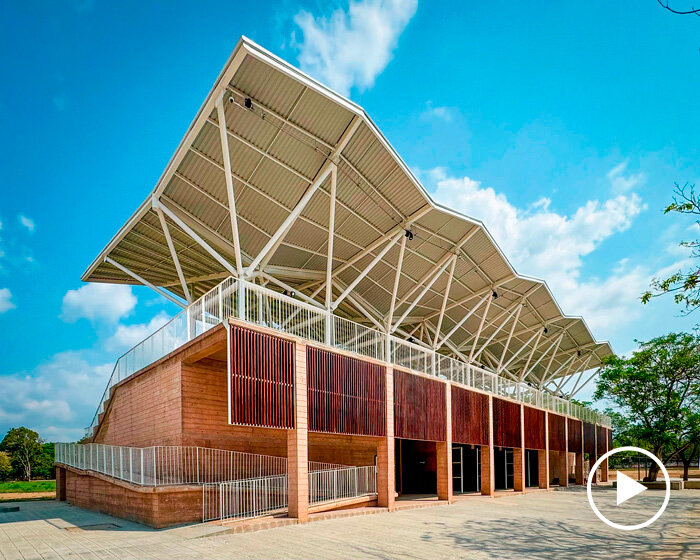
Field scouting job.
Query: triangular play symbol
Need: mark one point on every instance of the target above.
(627, 488)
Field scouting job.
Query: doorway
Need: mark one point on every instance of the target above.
(416, 466)
(466, 468)
(503, 468)
(532, 468)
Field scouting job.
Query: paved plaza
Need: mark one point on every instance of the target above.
(556, 524)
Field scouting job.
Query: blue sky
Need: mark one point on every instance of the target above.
(563, 127)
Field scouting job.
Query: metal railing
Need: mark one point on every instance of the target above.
(261, 306)
(318, 466)
(208, 311)
(168, 465)
(338, 484)
(241, 499)
(267, 495)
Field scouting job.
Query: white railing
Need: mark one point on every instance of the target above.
(319, 466)
(207, 312)
(241, 499)
(268, 495)
(353, 337)
(168, 465)
(262, 306)
(339, 484)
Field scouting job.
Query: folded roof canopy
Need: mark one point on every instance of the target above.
(290, 139)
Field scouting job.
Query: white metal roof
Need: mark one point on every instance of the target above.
(279, 146)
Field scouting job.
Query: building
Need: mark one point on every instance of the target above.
(344, 339)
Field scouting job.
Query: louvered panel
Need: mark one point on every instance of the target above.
(574, 435)
(419, 407)
(470, 417)
(506, 423)
(534, 428)
(557, 434)
(345, 395)
(262, 379)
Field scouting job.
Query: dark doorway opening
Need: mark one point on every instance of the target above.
(466, 468)
(503, 468)
(416, 466)
(532, 468)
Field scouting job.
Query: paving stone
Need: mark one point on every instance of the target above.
(534, 525)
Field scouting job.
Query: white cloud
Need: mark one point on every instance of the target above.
(57, 399)
(552, 246)
(128, 336)
(621, 182)
(26, 222)
(351, 48)
(6, 300)
(98, 301)
(433, 112)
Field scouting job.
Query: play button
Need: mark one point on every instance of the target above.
(627, 488)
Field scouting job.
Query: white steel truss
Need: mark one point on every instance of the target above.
(424, 309)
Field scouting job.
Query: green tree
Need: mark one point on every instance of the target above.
(5, 466)
(683, 284)
(24, 446)
(657, 391)
(689, 445)
(44, 467)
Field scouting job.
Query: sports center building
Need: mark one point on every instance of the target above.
(344, 340)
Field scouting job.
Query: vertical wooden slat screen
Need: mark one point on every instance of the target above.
(588, 438)
(262, 379)
(419, 407)
(574, 433)
(602, 440)
(557, 435)
(534, 428)
(610, 439)
(506, 423)
(346, 395)
(470, 417)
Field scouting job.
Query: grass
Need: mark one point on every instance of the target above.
(20, 487)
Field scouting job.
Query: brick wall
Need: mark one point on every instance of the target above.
(205, 414)
(146, 410)
(157, 508)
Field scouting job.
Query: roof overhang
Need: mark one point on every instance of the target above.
(280, 148)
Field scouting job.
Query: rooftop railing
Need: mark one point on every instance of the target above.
(261, 306)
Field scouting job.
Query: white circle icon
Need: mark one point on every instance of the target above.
(628, 488)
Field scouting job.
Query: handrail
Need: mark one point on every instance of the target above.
(168, 465)
(262, 306)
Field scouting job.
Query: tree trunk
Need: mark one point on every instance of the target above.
(686, 467)
(653, 472)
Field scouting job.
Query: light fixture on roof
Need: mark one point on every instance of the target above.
(494, 294)
(578, 353)
(409, 235)
(231, 99)
(410, 339)
(546, 330)
(248, 103)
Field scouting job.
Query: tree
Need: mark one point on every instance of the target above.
(45, 467)
(689, 446)
(657, 391)
(682, 11)
(5, 466)
(24, 446)
(684, 285)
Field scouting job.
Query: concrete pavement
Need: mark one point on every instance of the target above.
(556, 524)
